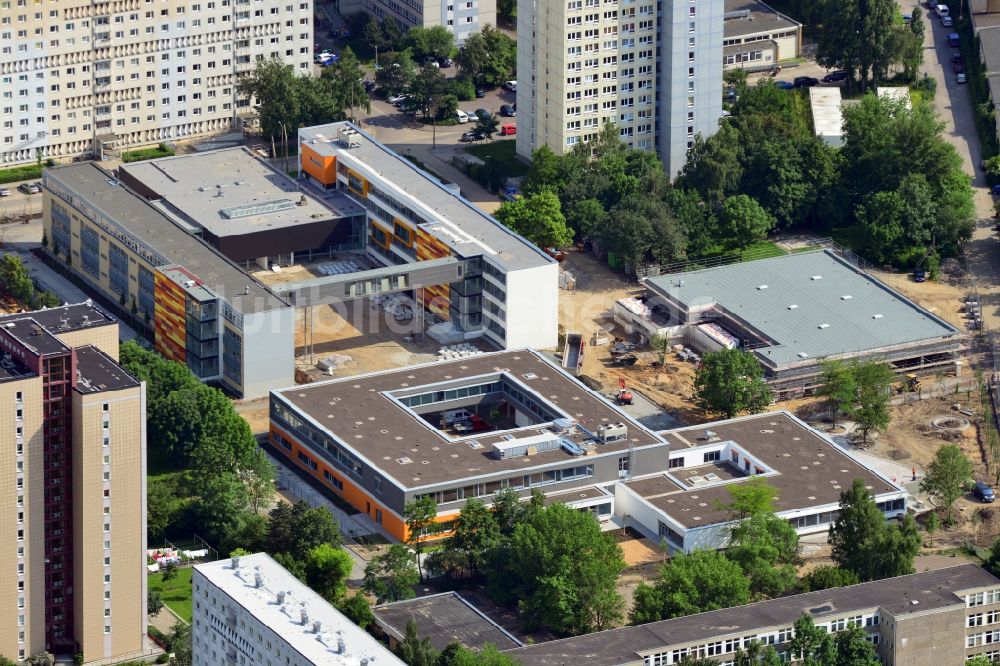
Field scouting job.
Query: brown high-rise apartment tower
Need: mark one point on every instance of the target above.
(72, 488)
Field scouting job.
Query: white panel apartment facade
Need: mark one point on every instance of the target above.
(582, 63)
(250, 610)
(462, 17)
(135, 71)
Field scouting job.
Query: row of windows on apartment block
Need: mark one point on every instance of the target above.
(773, 638)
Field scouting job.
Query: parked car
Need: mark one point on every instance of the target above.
(907, 18)
(953, 39)
(919, 275)
(30, 188)
(946, 22)
(995, 190)
(784, 85)
(471, 136)
(4, 192)
(508, 130)
(480, 93)
(445, 62)
(507, 111)
(960, 78)
(804, 81)
(432, 62)
(396, 99)
(369, 86)
(462, 116)
(510, 85)
(483, 114)
(835, 75)
(982, 491)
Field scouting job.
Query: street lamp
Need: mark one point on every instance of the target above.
(432, 109)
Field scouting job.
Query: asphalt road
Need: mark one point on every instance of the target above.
(19, 203)
(955, 109)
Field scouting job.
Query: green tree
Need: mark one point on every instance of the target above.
(691, 583)
(476, 535)
(427, 91)
(375, 37)
(872, 413)
(4, 661)
(743, 222)
(327, 570)
(421, 523)
(435, 42)
(343, 80)
(979, 660)
(731, 381)
(298, 529)
(853, 648)
(169, 572)
(486, 126)
(458, 655)
(416, 651)
(863, 543)
(661, 345)
(931, 524)
(538, 218)
(15, 279)
(714, 167)
(392, 33)
(757, 654)
(154, 603)
(358, 610)
(811, 644)
(839, 388)
(948, 476)
(391, 575)
(295, 567)
(273, 84)
(487, 57)
(825, 577)
(750, 498)
(857, 37)
(395, 73)
(562, 570)
(767, 549)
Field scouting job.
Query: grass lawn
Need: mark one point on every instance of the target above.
(23, 172)
(146, 153)
(501, 152)
(760, 250)
(176, 592)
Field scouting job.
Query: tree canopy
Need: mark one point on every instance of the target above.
(864, 543)
(691, 583)
(538, 218)
(731, 381)
(948, 476)
(391, 575)
(487, 57)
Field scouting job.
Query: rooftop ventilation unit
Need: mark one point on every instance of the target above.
(317, 626)
(612, 432)
(876, 316)
(475, 444)
(236, 212)
(823, 326)
(350, 139)
(526, 446)
(710, 435)
(304, 615)
(816, 277)
(846, 297)
(761, 287)
(803, 355)
(258, 580)
(280, 597)
(235, 560)
(793, 306)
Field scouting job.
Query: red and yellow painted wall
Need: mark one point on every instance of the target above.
(170, 330)
(290, 447)
(436, 299)
(321, 167)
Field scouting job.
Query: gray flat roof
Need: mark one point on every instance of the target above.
(136, 217)
(358, 412)
(229, 192)
(460, 223)
(989, 44)
(904, 595)
(811, 472)
(444, 618)
(99, 372)
(764, 19)
(838, 309)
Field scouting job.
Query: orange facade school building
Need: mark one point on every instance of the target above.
(304, 458)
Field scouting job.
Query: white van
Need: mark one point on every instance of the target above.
(510, 85)
(453, 416)
(942, 10)
(462, 116)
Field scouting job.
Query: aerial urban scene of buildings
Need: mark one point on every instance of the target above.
(318, 350)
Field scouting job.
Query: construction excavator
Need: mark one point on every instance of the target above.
(623, 396)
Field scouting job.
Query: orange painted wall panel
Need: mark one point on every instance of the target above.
(170, 329)
(356, 496)
(321, 167)
(437, 299)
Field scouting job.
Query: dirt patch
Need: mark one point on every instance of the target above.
(911, 436)
(641, 551)
(944, 297)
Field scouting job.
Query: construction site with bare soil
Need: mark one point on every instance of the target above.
(946, 406)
